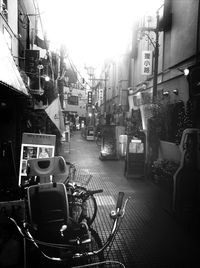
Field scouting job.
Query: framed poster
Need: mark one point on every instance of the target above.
(34, 146)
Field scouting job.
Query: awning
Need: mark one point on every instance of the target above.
(9, 74)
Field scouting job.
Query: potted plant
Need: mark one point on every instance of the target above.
(163, 171)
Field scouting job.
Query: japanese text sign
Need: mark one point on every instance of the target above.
(146, 62)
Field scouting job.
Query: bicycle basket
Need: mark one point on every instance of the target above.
(82, 177)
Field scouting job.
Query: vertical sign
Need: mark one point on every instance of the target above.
(100, 97)
(146, 62)
(89, 97)
(31, 63)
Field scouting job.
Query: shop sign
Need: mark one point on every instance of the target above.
(146, 62)
(89, 97)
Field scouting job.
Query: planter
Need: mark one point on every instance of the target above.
(162, 173)
(169, 151)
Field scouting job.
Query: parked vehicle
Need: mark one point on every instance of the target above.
(58, 222)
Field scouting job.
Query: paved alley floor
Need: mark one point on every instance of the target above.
(148, 236)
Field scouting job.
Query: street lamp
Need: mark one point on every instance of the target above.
(40, 67)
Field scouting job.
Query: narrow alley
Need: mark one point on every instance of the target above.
(148, 236)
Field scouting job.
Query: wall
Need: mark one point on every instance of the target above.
(80, 109)
(169, 151)
(180, 42)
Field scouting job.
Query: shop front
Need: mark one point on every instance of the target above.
(13, 99)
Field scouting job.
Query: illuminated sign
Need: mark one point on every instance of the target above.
(90, 97)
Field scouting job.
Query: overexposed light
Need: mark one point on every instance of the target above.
(186, 71)
(93, 30)
(47, 78)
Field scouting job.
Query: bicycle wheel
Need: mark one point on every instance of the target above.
(91, 209)
(88, 204)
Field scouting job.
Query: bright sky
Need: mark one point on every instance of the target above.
(93, 30)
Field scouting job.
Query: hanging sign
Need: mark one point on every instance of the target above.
(89, 97)
(146, 62)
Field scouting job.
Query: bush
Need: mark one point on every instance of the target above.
(164, 169)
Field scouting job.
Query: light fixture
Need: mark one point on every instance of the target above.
(175, 91)
(165, 93)
(186, 71)
(144, 86)
(47, 78)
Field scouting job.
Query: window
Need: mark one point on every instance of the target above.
(73, 100)
(4, 9)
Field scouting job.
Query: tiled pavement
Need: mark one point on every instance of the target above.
(148, 236)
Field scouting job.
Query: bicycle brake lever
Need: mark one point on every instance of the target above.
(125, 204)
(121, 212)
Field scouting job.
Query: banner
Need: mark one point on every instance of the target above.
(146, 63)
(55, 114)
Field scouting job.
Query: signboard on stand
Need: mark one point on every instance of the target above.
(109, 143)
(34, 146)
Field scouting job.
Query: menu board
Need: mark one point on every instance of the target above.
(34, 146)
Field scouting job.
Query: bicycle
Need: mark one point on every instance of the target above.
(80, 196)
(85, 253)
(50, 224)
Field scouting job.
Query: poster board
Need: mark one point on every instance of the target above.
(34, 146)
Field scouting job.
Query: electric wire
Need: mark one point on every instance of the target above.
(75, 70)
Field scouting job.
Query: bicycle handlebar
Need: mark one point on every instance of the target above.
(69, 163)
(120, 201)
(113, 231)
(85, 254)
(92, 192)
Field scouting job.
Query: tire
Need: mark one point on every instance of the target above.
(91, 207)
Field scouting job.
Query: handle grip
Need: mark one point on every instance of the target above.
(95, 191)
(120, 200)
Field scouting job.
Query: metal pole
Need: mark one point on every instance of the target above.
(197, 35)
(156, 59)
(105, 89)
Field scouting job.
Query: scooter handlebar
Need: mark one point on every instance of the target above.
(120, 200)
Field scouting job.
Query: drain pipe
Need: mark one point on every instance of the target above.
(197, 35)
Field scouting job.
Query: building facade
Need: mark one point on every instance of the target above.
(24, 93)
